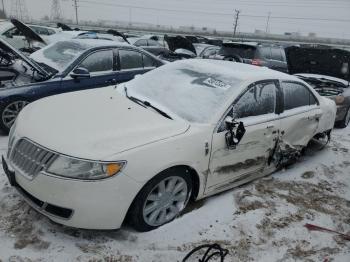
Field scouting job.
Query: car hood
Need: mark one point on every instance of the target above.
(322, 60)
(179, 42)
(27, 32)
(95, 124)
(13, 52)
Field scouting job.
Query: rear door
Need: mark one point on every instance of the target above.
(256, 108)
(301, 115)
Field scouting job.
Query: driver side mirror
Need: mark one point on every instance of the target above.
(80, 72)
(235, 132)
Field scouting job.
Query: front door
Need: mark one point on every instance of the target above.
(101, 67)
(256, 109)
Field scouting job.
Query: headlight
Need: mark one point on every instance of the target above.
(339, 100)
(85, 170)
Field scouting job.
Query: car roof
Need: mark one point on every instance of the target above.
(95, 43)
(241, 71)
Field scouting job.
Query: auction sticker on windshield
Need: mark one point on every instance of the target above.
(216, 83)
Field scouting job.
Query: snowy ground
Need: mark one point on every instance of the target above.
(261, 221)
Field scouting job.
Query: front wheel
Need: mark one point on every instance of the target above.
(9, 113)
(161, 200)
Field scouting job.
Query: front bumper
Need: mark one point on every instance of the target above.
(99, 204)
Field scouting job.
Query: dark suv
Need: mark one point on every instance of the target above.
(269, 55)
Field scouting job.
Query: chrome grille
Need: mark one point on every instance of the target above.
(29, 158)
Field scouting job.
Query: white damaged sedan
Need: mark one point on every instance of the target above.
(138, 152)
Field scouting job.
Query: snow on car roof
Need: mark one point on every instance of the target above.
(61, 54)
(196, 89)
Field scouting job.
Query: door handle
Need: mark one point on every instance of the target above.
(270, 126)
(111, 81)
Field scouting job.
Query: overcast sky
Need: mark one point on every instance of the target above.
(330, 18)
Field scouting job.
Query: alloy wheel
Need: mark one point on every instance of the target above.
(11, 112)
(165, 201)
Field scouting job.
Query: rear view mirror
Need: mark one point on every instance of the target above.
(235, 132)
(80, 72)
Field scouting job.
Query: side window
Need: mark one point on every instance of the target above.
(148, 61)
(297, 95)
(153, 43)
(40, 30)
(99, 61)
(51, 32)
(130, 59)
(276, 54)
(260, 99)
(266, 52)
(141, 43)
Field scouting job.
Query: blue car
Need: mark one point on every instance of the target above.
(65, 66)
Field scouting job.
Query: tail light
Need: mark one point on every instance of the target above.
(257, 62)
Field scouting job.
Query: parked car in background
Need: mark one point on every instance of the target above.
(327, 70)
(149, 45)
(15, 37)
(268, 55)
(205, 50)
(139, 153)
(62, 67)
(203, 40)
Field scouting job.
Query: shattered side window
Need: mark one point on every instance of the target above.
(260, 99)
(296, 95)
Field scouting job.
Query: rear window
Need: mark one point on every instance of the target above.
(243, 51)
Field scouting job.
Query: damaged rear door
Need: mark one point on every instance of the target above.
(256, 108)
(300, 118)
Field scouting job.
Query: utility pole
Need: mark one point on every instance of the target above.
(235, 24)
(76, 10)
(268, 22)
(3, 6)
(56, 11)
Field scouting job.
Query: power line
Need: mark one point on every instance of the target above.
(212, 13)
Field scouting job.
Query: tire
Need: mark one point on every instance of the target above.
(234, 58)
(154, 206)
(9, 113)
(345, 122)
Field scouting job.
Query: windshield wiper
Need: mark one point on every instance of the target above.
(145, 104)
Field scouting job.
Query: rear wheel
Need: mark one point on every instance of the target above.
(345, 122)
(9, 113)
(234, 58)
(161, 200)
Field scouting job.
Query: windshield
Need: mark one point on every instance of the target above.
(60, 55)
(193, 90)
